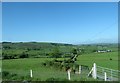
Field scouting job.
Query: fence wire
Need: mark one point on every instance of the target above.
(112, 75)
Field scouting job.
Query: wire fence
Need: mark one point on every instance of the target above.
(105, 74)
(111, 75)
(97, 72)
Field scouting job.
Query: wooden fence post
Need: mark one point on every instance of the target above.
(94, 71)
(105, 76)
(79, 69)
(69, 74)
(31, 74)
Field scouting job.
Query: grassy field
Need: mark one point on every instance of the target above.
(23, 66)
(101, 59)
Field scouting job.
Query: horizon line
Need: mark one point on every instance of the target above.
(60, 42)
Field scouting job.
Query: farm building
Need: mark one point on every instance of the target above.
(103, 51)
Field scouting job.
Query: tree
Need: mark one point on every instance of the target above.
(56, 53)
(74, 56)
(23, 55)
(6, 47)
(74, 51)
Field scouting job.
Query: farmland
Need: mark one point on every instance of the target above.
(21, 66)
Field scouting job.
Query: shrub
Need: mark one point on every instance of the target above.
(5, 57)
(23, 55)
(5, 74)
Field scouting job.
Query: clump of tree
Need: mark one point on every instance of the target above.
(74, 51)
(6, 47)
(23, 55)
(63, 64)
(7, 56)
(14, 56)
(56, 53)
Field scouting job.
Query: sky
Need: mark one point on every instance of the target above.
(60, 22)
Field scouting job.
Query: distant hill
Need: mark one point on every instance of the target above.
(11, 50)
(32, 44)
(34, 49)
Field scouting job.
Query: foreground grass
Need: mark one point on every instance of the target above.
(22, 67)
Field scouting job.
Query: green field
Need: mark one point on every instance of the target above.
(23, 66)
(101, 59)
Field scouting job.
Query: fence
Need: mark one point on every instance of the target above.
(97, 72)
(103, 73)
(81, 72)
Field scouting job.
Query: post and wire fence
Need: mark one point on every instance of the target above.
(97, 72)
(111, 75)
(105, 74)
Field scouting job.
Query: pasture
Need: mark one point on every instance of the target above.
(101, 59)
(22, 67)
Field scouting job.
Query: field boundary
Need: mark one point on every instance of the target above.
(103, 73)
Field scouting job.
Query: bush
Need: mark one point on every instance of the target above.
(11, 56)
(5, 57)
(56, 53)
(5, 74)
(23, 55)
